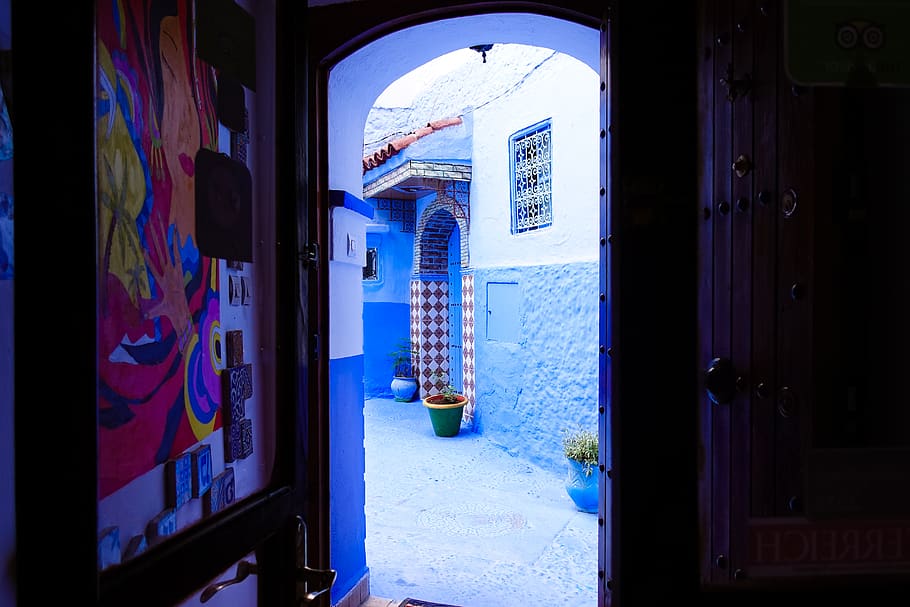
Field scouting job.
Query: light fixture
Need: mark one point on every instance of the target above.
(482, 49)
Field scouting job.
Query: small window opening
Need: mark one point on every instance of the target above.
(371, 269)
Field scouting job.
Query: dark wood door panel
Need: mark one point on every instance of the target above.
(741, 100)
(765, 214)
(803, 286)
(722, 238)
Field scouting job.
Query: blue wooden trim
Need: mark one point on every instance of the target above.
(340, 198)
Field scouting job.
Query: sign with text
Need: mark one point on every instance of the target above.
(863, 43)
(787, 547)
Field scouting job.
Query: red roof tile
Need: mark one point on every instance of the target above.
(380, 156)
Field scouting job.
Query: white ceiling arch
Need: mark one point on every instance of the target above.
(357, 80)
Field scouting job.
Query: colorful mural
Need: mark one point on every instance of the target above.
(159, 325)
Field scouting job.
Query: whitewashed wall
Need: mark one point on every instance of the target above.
(566, 91)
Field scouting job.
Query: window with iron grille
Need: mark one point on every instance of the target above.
(530, 150)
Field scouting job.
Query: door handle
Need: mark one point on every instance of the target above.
(321, 580)
(244, 570)
(311, 583)
(720, 381)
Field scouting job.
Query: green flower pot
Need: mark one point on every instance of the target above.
(445, 417)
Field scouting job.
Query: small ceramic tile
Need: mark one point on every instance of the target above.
(136, 546)
(234, 348)
(238, 387)
(246, 291)
(163, 525)
(108, 547)
(179, 478)
(234, 290)
(233, 447)
(246, 438)
(245, 380)
(221, 494)
(202, 469)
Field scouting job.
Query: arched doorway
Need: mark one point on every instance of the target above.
(435, 295)
(355, 75)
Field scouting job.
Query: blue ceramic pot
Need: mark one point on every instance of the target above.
(583, 490)
(404, 388)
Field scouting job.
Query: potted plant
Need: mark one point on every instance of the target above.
(582, 482)
(445, 406)
(404, 384)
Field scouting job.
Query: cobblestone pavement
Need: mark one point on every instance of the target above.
(459, 520)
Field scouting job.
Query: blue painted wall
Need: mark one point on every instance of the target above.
(347, 488)
(386, 308)
(385, 323)
(529, 392)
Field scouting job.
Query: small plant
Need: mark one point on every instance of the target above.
(446, 389)
(581, 445)
(401, 358)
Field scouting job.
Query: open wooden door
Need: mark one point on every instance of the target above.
(110, 136)
(805, 435)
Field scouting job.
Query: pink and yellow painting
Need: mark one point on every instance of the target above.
(159, 336)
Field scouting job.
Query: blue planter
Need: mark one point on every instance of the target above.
(404, 388)
(584, 490)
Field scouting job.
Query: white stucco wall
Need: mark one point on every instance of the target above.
(358, 80)
(566, 91)
(345, 276)
(455, 84)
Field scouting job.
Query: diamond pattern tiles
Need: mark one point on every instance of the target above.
(415, 322)
(430, 329)
(467, 337)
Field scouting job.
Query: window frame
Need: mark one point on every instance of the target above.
(542, 125)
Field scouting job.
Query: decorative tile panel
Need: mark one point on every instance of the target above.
(467, 337)
(238, 387)
(430, 328)
(403, 212)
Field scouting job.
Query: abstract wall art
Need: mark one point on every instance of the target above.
(159, 387)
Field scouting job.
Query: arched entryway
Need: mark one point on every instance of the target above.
(432, 293)
(357, 75)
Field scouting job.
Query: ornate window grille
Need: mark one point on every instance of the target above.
(530, 150)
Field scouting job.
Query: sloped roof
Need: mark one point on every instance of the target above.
(373, 160)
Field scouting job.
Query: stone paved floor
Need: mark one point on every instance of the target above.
(459, 520)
